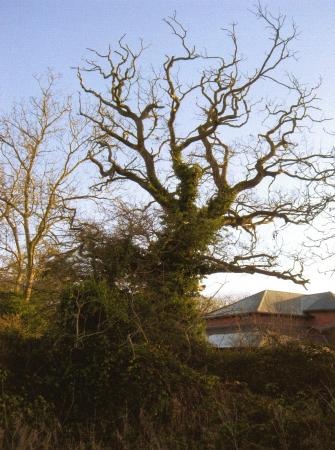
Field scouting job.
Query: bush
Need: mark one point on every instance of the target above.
(108, 374)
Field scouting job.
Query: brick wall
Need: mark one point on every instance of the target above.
(280, 325)
(263, 320)
(322, 319)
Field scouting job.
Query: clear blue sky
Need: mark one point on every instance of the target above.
(36, 34)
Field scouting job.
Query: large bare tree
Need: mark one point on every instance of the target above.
(178, 136)
(42, 145)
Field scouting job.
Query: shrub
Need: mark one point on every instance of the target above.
(108, 374)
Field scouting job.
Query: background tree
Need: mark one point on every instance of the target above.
(42, 145)
(212, 186)
(97, 254)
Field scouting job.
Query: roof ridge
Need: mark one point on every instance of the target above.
(318, 293)
(236, 302)
(265, 292)
(245, 298)
(248, 296)
(270, 301)
(324, 302)
(271, 297)
(285, 292)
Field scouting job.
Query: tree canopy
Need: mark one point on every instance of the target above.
(212, 188)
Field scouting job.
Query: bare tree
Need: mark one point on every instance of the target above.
(320, 239)
(213, 188)
(41, 147)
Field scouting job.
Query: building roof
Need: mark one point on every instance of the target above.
(277, 302)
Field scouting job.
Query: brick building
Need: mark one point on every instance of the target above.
(273, 315)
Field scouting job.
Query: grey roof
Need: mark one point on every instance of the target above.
(323, 302)
(277, 302)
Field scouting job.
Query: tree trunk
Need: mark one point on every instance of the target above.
(18, 282)
(30, 277)
(28, 289)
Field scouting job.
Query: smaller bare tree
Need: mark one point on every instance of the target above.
(42, 145)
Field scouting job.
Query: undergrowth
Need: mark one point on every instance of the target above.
(100, 376)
